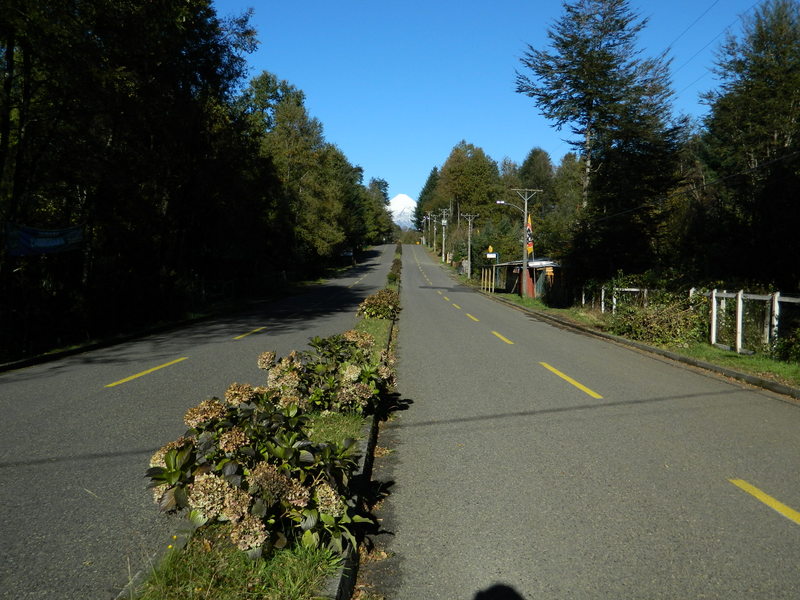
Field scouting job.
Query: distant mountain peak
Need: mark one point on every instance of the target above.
(402, 208)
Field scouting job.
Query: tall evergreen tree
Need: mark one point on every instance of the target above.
(752, 145)
(617, 106)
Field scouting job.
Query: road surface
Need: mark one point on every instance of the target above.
(76, 435)
(563, 466)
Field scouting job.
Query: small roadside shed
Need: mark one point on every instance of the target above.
(542, 271)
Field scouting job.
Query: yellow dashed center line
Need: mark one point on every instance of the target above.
(473, 318)
(244, 335)
(127, 379)
(569, 379)
(356, 282)
(456, 306)
(446, 298)
(787, 512)
(505, 339)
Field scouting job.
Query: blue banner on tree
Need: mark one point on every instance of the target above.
(29, 241)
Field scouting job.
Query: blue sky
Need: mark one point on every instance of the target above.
(397, 84)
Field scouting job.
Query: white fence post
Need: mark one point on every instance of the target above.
(713, 338)
(613, 301)
(603, 299)
(739, 320)
(776, 311)
(583, 296)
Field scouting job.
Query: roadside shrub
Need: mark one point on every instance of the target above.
(248, 458)
(668, 320)
(394, 271)
(787, 348)
(383, 304)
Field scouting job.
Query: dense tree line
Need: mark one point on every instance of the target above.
(645, 192)
(128, 127)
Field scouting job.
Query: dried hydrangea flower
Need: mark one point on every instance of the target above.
(361, 339)
(387, 374)
(328, 500)
(388, 358)
(293, 400)
(287, 382)
(233, 439)
(235, 504)
(249, 533)
(159, 491)
(206, 411)
(266, 360)
(207, 494)
(272, 484)
(297, 495)
(157, 460)
(351, 373)
(238, 393)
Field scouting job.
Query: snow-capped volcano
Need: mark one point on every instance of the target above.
(402, 209)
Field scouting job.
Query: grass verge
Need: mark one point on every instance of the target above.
(755, 364)
(211, 567)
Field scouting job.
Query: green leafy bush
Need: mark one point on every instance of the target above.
(787, 348)
(249, 458)
(383, 304)
(668, 320)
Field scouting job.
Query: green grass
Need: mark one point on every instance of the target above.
(379, 329)
(211, 567)
(755, 364)
(335, 427)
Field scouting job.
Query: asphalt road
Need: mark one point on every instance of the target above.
(564, 466)
(76, 519)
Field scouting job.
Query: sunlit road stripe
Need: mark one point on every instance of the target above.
(356, 282)
(569, 379)
(143, 373)
(456, 306)
(473, 318)
(446, 298)
(787, 512)
(244, 335)
(439, 292)
(505, 339)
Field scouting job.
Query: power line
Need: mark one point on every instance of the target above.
(726, 28)
(713, 4)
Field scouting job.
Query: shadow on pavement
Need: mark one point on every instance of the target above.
(498, 592)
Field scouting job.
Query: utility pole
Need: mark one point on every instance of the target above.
(427, 219)
(445, 213)
(526, 194)
(469, 219)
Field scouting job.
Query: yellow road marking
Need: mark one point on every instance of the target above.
(244, 335)
(505, 339)
(569, 379)
(446, 298)
(774, 504)
(473, 318)
(439, 292)
(457, 306)
(355, 282)
(127, 379)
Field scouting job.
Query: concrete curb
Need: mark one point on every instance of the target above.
(773, 386)
(340, 586)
